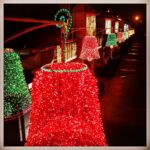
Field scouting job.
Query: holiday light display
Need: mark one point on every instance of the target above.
(65, 107)
(111, 40)
(130, 33)
(133, 31)
(90, 23)
(116, 26)
(67, 23)
(71, 48)
(125, 35)
(58, 53)
(108, 25)
(120, 37)
(126, 27)
(16, 94)
(89, 48)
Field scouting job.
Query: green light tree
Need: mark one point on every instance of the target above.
(16, 93)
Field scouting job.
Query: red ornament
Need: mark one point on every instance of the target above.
(89, 48)
(65, 108)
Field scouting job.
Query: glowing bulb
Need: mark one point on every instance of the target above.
(137, 18)
(111, 46)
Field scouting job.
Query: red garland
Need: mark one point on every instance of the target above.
(89, 48)
(65, 109)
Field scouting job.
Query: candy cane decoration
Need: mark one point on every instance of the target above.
(60, 16)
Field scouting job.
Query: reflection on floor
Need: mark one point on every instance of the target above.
(124, 104)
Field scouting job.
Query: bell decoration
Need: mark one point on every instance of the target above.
(89, 48)
(111, 40)
(65, 107)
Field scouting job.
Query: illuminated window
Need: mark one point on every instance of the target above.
(108, 26)
(90, 24)
(116, 27)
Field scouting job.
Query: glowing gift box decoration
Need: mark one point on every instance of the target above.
(108, 26)
(111, 40)
(65, 107)
(120, 37)
(116, 26)
(90, 23)
(89, 48)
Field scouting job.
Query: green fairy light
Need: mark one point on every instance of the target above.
(62, 18)
(44, 68)
(16, 93)
(7, 109)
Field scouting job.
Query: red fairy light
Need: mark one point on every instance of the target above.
(89, 48)
(65, 107)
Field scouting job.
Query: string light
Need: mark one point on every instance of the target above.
(89, 48)
(65, 107)
(16, 94)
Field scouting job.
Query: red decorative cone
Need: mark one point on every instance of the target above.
(89, 48)
(65, 107)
